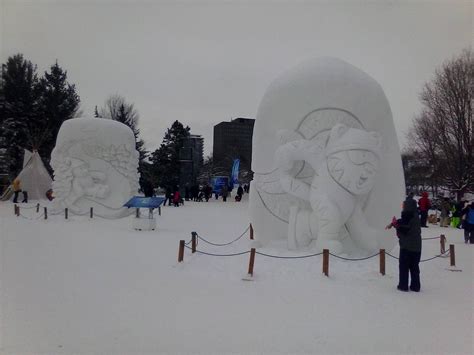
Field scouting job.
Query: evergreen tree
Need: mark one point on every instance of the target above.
(165, 160)
(20, 109)
(59, 102)
(3, 147)
(34, 108)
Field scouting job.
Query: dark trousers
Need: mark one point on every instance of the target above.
(15, 198)
(423, 218)
(469, 233)
(409, 264)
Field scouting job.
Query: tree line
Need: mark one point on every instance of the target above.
(439, 154)
(440, 143)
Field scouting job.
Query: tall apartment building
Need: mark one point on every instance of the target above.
(191, 157)
(233, 140)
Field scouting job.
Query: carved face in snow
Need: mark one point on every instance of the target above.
(353, 158)
(81, 170)
(355, 170)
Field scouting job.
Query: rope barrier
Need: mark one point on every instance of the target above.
(392, 256)
(288, 257)
(312, 255)
(442, 255)
(430, 238)
(357, 259)
(445, 254)
(223, 244)
(32, 219)
(27, 207)
(234, 254)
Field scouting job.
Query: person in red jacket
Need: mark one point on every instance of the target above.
(424, 204)
(176, 198)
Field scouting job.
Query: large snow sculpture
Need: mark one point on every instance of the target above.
(326, 161)
(95, 165)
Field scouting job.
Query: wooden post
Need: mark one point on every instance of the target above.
(251, 231)
(92, 212)
(326, 262)
(159, 211)
(137, 213)
(37, 207)
(382, 261)
(452, 255)
(193, 241)
(251, 261)
(65, 213)
(442, 242)
(17, 210)
(45, 213)
(181, 251)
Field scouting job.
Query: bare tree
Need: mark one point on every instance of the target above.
(207, 170)
(117, 109)
(443, 132)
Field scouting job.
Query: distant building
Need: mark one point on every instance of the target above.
(233, 140)
(191, 157)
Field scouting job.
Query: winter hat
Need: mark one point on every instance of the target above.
(409, 205)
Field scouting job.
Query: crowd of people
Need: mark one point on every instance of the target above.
(455, 214)
(196, 193)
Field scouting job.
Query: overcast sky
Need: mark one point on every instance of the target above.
(203, 62)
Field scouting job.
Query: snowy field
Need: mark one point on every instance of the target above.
(96, 286)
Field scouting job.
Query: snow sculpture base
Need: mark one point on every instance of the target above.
(326, 161)
(95, 165)
(144, 224)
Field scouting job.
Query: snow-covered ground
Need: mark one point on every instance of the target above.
(97, 286)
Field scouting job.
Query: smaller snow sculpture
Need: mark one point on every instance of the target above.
(95, 165)
(345, 171)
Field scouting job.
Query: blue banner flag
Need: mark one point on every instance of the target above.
(235, 172)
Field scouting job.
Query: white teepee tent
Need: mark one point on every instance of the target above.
(34, 177)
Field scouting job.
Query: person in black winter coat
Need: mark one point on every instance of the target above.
(224, 192)
(240, 192)
(147, 187)
(409, 236)
(168, 196)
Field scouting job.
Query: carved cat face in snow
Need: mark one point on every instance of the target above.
(353, 157)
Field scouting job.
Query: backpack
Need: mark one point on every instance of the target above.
(470, 216)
